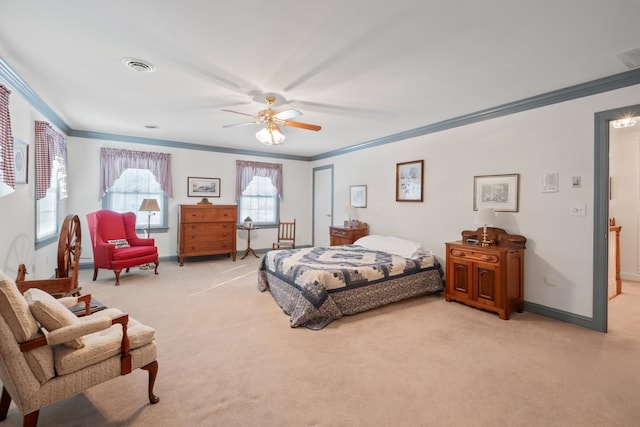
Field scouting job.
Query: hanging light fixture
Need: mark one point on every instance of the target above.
(624, 122)
(270, 135)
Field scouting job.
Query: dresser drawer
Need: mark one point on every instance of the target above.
(475, 255)
(208, 228)
(206, 247)
(339, 232)
(216, 214)
(193, 237)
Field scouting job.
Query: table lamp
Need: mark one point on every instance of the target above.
(151, 207)
(485, 217)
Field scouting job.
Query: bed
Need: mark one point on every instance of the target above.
(318, 285)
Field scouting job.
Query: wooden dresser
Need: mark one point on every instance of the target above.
(347, 235)
(487, 277)
(206, 229)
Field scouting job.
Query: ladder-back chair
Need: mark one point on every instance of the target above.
(286, 235)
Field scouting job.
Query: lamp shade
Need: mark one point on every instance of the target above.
(149, 205)
(270, 135)
(485, 216)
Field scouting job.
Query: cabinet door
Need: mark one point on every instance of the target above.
(461, 273)
(486, 284)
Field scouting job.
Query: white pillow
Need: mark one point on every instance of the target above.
(120, 243)
(395, 245)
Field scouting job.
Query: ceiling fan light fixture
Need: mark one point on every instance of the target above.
(270, 136)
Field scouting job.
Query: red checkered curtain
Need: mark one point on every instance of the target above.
(246, 170)
(7, 168)
(50, 146)
(113, 162)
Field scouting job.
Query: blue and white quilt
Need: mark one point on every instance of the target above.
(320, 284)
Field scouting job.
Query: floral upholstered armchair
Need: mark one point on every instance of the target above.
(116, 246)
(48, 354)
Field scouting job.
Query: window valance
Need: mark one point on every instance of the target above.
(113, 162)
(246, 170)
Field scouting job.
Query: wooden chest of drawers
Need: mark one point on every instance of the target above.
(346, 236)
(207, 230)
(487, 277)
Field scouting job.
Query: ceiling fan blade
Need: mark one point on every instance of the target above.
(238, 112)
(239, 124)
(301, 125)
(287, 114)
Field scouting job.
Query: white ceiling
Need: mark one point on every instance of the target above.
(362, 70)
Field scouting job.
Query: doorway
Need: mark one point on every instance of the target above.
(601, 212)
(322, 204)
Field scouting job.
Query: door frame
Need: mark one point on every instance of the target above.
(601, 213)
(313, 199)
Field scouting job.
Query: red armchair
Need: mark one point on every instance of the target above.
(116, 245)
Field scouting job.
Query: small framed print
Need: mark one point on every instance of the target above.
(358, 196)
(21, 161)
(499, 192)
(203, 187)
(409, 181)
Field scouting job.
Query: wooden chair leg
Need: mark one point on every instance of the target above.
(117, 272)
(153, 372)
(95, 274)
(157, 263)
(30, 419)
(5, 401)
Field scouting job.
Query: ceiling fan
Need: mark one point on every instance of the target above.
(272, 120)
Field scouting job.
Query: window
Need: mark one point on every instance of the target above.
(260, 202)
(47, 208)
(258, 191)
(51, 180)
(128, 191)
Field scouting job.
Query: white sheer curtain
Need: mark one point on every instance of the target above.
(113, 162)
(50, 146)
(245, 171)
(7, 168)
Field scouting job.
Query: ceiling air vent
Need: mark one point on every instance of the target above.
(630, 58)
(138, 65)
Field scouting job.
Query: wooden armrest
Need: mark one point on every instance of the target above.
(86, 299)
(62, 286)
(40, 341)
(125, 346)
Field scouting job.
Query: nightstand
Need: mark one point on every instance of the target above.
(347, 235)
(487, 277)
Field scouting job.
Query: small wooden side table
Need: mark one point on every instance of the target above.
(347, 235)
(249, 248)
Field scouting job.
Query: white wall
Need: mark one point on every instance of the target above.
(84, 155)
(558, 138)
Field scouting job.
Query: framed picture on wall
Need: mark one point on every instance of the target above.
(21, 161)
(499, 192)
(409, 181)
(358, 196)
(203, 187)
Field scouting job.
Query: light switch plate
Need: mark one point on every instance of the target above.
(579, 209)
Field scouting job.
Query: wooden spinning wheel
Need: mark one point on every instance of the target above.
(69, 249)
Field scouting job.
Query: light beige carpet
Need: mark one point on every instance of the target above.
(228, 357)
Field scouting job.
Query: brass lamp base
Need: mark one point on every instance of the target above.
(485, 242)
